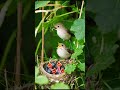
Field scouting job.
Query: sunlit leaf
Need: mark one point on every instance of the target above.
(77, 51)
(36, 70)
(81, 66)
(60, 86)
(70, 68)
(78, 28)
(41, 80)
(40, 4)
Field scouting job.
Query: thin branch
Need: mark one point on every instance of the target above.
(55, 9)
(18, 59)
(38, 11)
(81, 9)
(42, 52)
(5, 73)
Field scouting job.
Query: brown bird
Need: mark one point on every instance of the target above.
(62, 32)
(63, 51)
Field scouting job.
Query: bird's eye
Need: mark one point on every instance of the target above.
(62, 45)
(58, 26)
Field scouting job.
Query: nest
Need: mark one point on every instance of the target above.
(55, 77)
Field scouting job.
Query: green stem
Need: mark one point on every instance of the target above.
(40, 24)
(66, 13)
(38, 45)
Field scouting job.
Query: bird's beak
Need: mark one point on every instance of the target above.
(55, 27)
(59, 45)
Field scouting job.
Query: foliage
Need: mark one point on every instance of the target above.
(59, 86)
(41, 80)
(68, 13)
(70, 68)
(39, 4)
(8, 33)
(79, 28)
(102, 43)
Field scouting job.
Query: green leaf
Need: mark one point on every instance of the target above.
(70, 68)
(40, 4)
(78, 28)
(66, 3)
(77, 51)
(36, 70)
(41, 80)
(81, 66)
(60, 86)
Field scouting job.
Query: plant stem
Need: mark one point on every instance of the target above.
(42, 51)
(81, 9)
(18, 52)
(12, 38)
(5, 73)
(36, 30)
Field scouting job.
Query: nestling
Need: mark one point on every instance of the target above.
(62, 32)
(62, 51)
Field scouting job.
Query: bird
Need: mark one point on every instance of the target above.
(62, 70)
(47, 68)
(59, 66)
(49, 65)
(54, 71)
(63, 51)
(62, 32)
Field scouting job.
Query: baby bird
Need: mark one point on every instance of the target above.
(62, 32)
(62, 51)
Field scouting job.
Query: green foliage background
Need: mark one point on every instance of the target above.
(69, 16)
(8, 42)
(102, 44)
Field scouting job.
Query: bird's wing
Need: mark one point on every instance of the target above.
(70, 51)
(70, 33)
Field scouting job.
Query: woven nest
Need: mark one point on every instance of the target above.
(55, 77)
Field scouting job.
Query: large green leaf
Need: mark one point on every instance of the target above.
(78, 28)
(70, 68)
(77, 51)
(41, 80)
(36, 71)
(60, 86)
(81, 66)
(40, 4)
